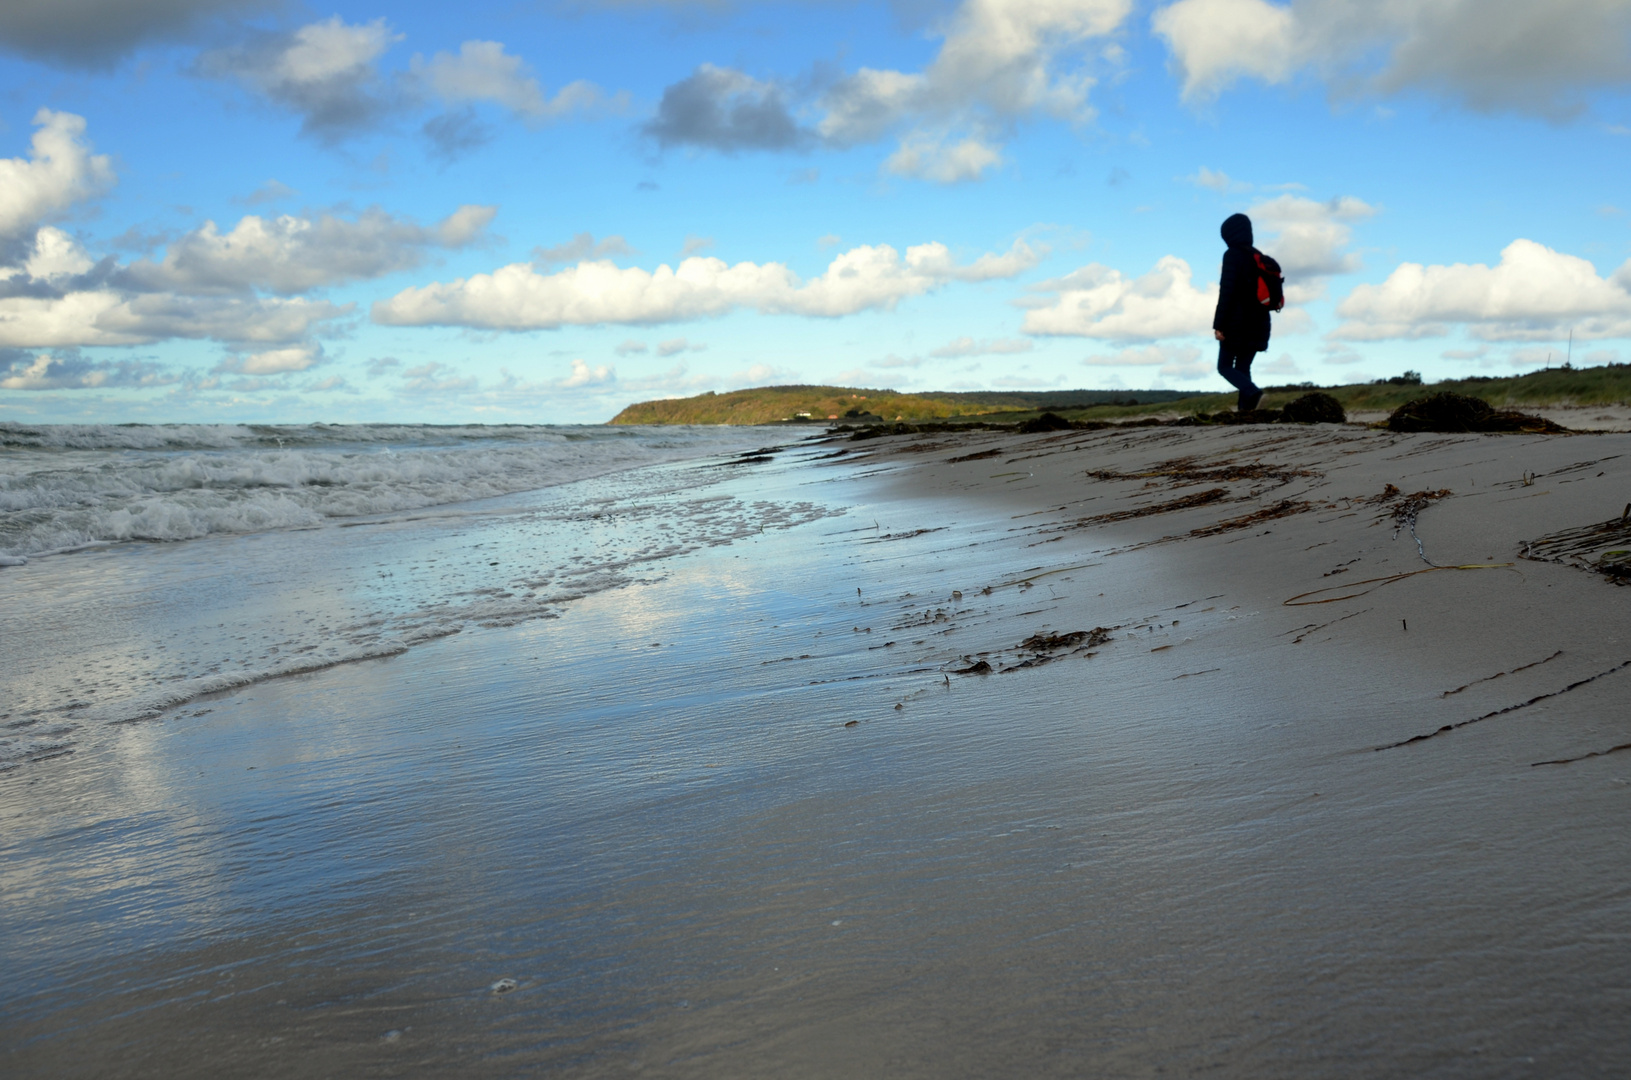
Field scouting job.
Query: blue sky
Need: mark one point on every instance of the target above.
(232, 210)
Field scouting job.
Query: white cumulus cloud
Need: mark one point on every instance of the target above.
(998, 54)
(922, 156)
(1533, 294)
(1215, 181)
(55, 255)
(436, 377)
(1100, 302)
(518, 297)
(70, 371)
(1000, 60)
(1517, 54)
(584, 375)
(275, 361)
(483, 71)
(582, 246)
(253, 320)
(675, 346)
(1309, 239)
(967, 346)
(1215, 42)
(54, 295)
(327, 72)
(290, 254)
(106, 317)
(59, 171)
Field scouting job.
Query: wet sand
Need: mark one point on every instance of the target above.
(742, 816)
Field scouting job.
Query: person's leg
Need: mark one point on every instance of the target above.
(1226, 364)
(1237, 369)
(1250, 395)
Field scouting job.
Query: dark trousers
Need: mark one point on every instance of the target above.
(1236, 367)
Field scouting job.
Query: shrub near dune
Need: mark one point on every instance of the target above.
(1315, 408)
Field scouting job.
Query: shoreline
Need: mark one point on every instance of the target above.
(755, 811)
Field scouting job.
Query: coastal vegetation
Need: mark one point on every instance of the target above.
(1609, 384)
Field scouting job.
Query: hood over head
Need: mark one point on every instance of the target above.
(1237, 231)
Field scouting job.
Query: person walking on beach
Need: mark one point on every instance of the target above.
(1241, 323)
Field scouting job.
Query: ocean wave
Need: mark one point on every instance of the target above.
(300, 603)
(15, 435)
(66, 486)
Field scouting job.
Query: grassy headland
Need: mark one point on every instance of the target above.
(1607, 385)
(776, 404)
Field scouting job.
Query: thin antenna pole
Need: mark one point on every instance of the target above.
(1570, 361)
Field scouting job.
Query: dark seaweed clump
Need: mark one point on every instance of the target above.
(1315, 408)
(1046, 422)
(1448, 412)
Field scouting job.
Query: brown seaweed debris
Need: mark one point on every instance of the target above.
(1183, 502)
(1051, 642)
(1046, 648)
(1457, 413)
(1501, 674)
(980, 668)
(1185, 470)
(1537, 699)
(875, 431)
(1416, 502)
(757, 457)
(1046, 422)
(1229, 417)
(1388, 492)
(1582, 757)
(900, 535)
(1283, 508)
(995, 451)
(1089, 639)
(1604, 548)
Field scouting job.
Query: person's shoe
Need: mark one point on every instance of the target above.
(1251, 403)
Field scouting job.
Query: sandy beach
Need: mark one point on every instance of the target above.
(1264, 751)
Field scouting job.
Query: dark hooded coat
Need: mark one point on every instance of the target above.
(1243, 320)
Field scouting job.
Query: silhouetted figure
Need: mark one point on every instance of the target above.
(1241, 323)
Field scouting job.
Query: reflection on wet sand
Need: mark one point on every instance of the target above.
(763, 812)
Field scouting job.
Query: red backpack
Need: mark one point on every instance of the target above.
(1271, 284)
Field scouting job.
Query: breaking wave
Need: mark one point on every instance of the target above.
(67, 486)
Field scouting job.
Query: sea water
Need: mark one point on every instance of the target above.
(143, 567)
(66, 487)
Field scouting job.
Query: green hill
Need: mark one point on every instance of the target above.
(1606, 385)
(776, 404)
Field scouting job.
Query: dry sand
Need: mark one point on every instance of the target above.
(1314, 525)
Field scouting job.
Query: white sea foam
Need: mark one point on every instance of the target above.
(66, 486)
(141, 632)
